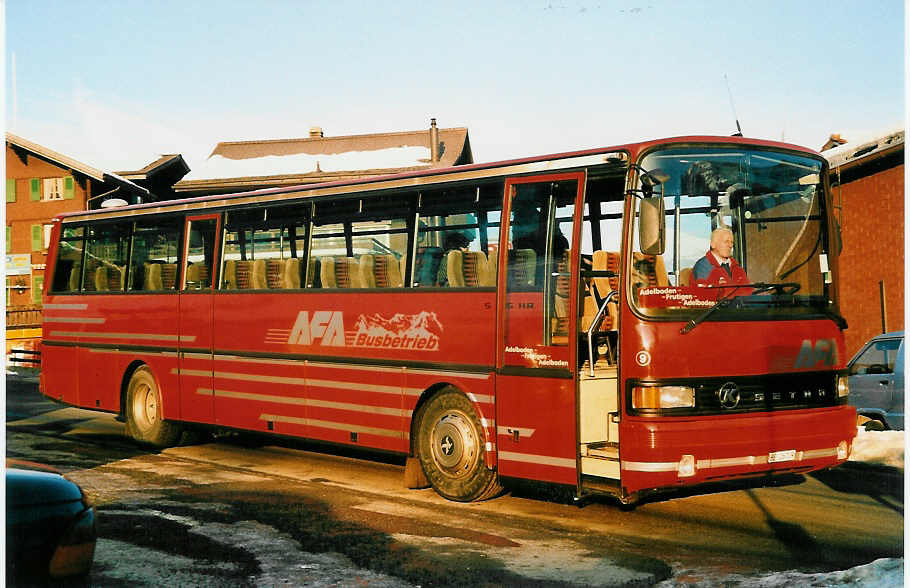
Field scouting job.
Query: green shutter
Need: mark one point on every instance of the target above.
(37, 289)
(69, 188)
(37, 237)
(10, 189)
(34, 189)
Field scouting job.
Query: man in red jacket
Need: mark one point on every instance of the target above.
(718, 267)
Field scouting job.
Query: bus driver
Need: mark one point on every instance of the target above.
(718, 265)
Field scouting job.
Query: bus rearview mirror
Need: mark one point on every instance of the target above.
(652, 231)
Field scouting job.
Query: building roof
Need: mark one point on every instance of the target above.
(58, 159)
(242, 165)
(865, 150)
(159, 165)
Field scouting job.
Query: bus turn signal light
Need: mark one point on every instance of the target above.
(663, 397)
(686, 467)
(843, 387)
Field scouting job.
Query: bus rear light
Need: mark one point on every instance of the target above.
(843, 387)
(843, 450)
(663, 397)
(686, 467)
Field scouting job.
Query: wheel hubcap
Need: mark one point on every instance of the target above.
(454, 444)
(145, 407)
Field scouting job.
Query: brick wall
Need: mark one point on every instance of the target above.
(873, 235)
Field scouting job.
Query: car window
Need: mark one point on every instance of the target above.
(878, 358)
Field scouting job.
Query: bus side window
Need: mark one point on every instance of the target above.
(199, 254)
(380, 241)
(106, 251)
(153, 264)
(68, 266)
(458, 237)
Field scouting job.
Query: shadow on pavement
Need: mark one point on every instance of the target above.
(882, 483)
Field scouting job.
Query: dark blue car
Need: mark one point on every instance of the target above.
(50, 528)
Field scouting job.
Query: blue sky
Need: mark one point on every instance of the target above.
(115, 83)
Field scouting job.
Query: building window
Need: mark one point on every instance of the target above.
(37, 289)
(10, 190)
(9, 237)
(47, 235)
(37, 237)
(53, 189)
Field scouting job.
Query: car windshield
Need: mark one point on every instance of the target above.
(741, 226)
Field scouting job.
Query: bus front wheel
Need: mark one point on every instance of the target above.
(450, 446)
(143, 412)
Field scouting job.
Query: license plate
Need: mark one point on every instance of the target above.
(777, 456)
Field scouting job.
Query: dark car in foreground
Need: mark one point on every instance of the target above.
(876, 379)
(50, 528)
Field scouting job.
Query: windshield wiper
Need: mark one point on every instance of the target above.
(701, 318)
(783, 288)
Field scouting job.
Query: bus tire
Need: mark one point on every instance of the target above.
(143, 412)
(450, 446)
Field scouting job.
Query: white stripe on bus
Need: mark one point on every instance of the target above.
(74, 319)
(558, 462)
(142, 336)
(726, 462)
(396, 412)
(314, 383)
(65, 306)
(359, 367)
(335, 426)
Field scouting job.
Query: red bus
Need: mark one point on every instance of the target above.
(540, 319)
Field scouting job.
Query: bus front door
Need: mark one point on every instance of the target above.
(195, 348)
(535, 389)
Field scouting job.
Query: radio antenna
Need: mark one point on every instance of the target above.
(739, 131)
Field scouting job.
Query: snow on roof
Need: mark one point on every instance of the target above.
(879, 447)
(863, 144)
(218, 167)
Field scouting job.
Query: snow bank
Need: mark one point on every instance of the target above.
(879, 447)
(881, 573)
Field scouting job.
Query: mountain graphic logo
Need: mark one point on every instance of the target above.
(419, 332)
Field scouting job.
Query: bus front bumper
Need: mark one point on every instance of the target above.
(672, 452)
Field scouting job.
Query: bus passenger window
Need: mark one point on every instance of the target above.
(106, 258)
(199, 255)
(153, 264)
(328, 243)
(68, 267)
(457, 238)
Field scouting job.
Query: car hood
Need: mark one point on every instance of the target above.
(29, 488)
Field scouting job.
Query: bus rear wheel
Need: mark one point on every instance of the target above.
(143, 412)
(450, 446)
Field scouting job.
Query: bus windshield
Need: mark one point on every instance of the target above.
(744, 235)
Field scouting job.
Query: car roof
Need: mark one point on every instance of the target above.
(891, 335)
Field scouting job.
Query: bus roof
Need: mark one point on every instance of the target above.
(411, 179)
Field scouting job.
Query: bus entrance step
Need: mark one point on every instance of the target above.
(603, 450)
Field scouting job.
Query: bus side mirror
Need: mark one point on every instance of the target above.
(652, 231)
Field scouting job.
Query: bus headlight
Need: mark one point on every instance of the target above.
(843, 387)
(663, 397)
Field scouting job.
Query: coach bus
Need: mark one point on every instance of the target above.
(535, 319)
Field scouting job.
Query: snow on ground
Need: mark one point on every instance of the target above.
(881, 573)
(879, 447)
